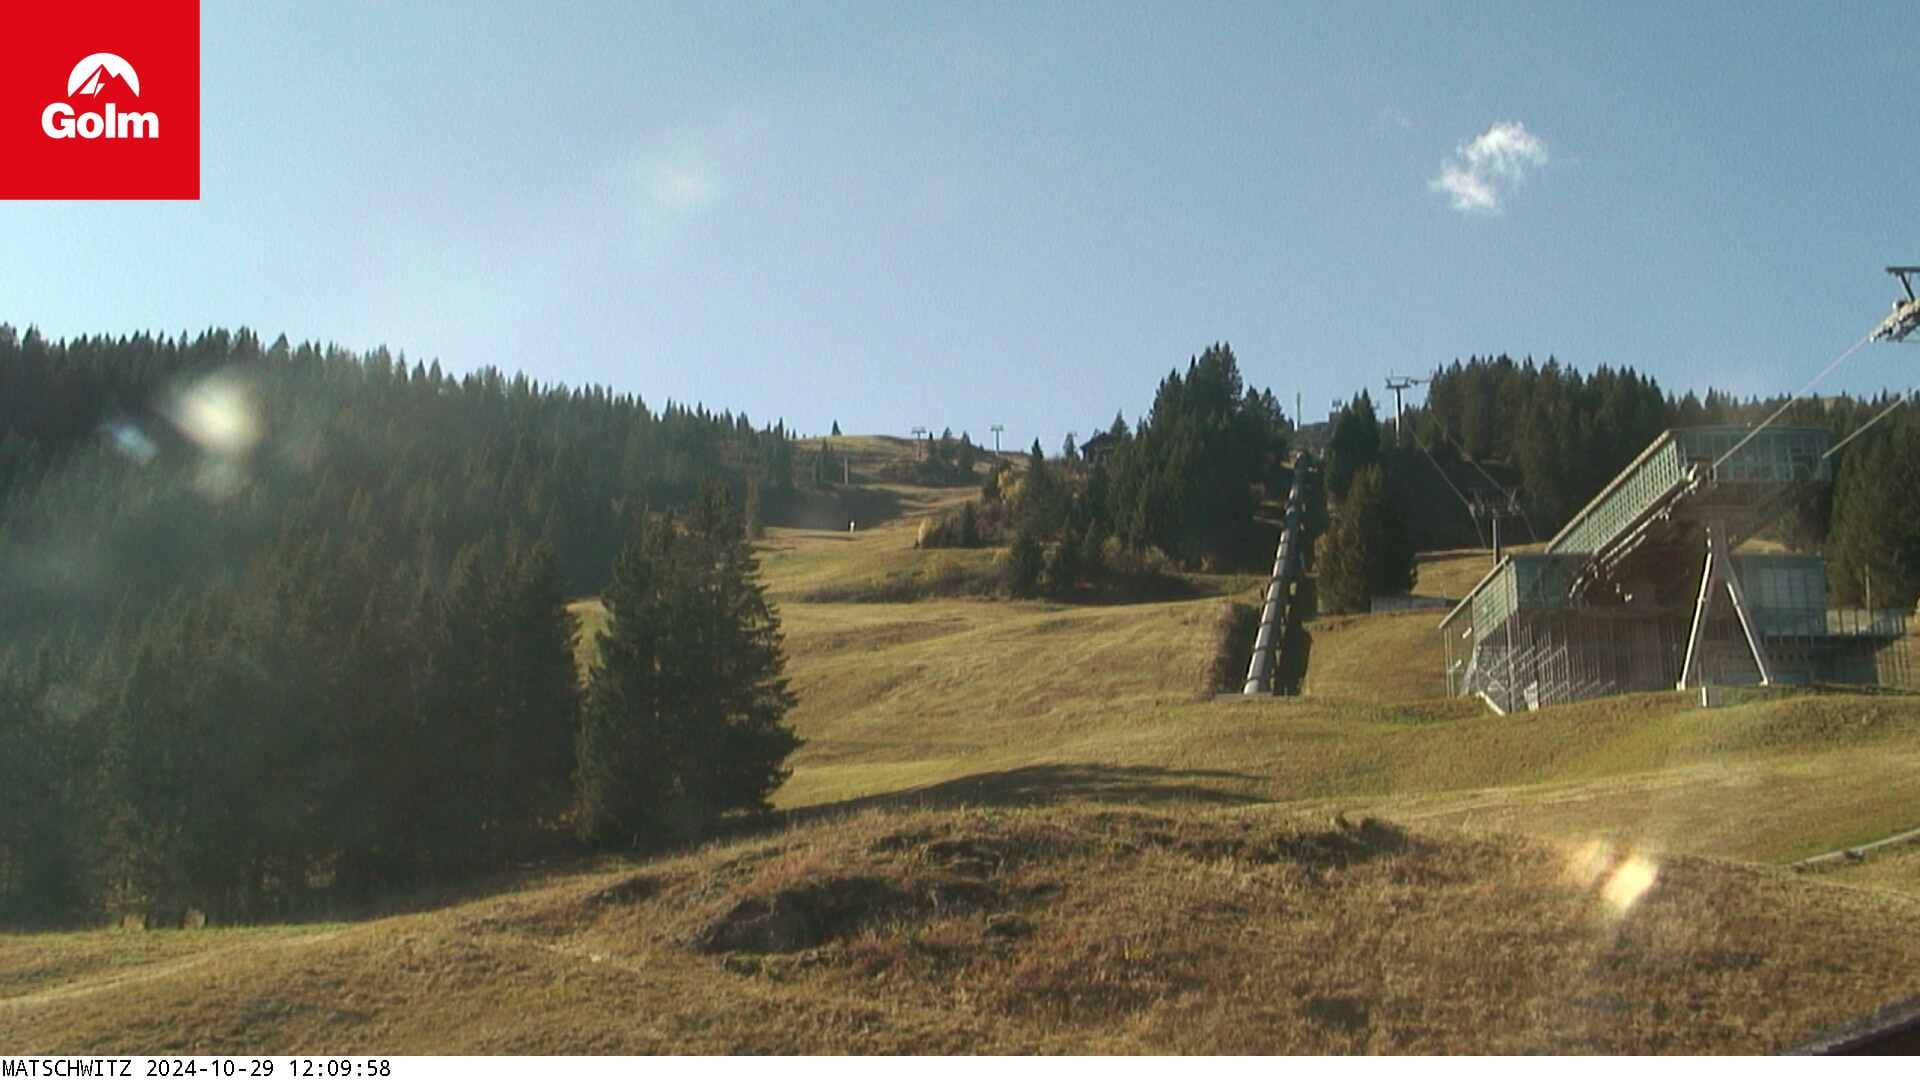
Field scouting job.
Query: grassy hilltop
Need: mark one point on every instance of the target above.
(1022, 826)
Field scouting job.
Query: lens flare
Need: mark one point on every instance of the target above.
(130, 441)
(1630, 881)
(1590, 862)
(1619, 881)
(220, 414)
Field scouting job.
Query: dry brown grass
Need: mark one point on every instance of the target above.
(1027, 827)
(1087, 928)
(1451, 574)
(961, 696)
(1396, 656)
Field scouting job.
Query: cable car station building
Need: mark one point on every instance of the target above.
(1645, 589)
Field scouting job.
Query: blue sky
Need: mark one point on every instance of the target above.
(896, 215)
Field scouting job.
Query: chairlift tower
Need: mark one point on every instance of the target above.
(1496, 505)
(1397, 383)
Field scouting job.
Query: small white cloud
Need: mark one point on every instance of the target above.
(1482, 174)
(1469, 191)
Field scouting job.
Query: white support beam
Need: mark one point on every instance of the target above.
(1718, 570)
(1739, 597)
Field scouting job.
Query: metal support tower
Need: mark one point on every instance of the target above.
(1397, 383)
(1496, 505)
(1719, 571)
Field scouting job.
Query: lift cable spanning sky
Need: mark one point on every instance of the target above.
(1905, 317)
(1904, 320)
(1877, 417)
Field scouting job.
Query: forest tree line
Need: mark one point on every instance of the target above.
(287, 626)
(1181, 488)
(1178, 489)
(1555, 437)
(134, 466)
(285, 629)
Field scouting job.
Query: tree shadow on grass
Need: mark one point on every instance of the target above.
(831, 509)
(1047, 785)
(1120, 590)
(1032, 785)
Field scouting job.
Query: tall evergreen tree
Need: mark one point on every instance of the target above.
(1354, 444)
(47, 745)
(1366, 553)
(1875, 537)
(1185, 482)
(686, 703)
(543, 687)
(1026, 561)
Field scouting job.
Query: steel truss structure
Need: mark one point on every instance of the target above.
(1645, 589)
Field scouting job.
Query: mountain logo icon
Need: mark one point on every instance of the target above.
(94, 74)
(121, 123)
(93, 77)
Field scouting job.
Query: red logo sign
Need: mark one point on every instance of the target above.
(100, 100)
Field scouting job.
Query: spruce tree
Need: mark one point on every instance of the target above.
(1876, 532)
(47, 731)
(1354, 444)
(1026, 560)
(1184, 482)
(543, 687)
(686, 704)
(462, 723)
(755, 513)
(1366, 553)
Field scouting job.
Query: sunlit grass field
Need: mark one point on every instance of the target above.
(1068, 927)
(1022, 826)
